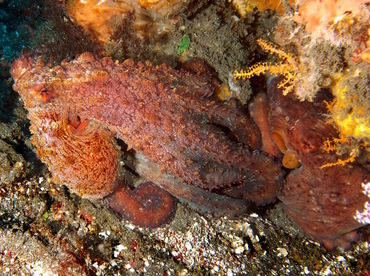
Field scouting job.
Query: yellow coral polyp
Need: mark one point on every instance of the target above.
(357, 128)
(349, 111)
(337, 145)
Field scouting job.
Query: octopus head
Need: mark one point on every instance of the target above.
(31, 81)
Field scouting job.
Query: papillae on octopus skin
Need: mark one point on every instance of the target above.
(202, 200)
(321, 200)
(252, 181)
(195, 148)
(232, 201)
(230, 186)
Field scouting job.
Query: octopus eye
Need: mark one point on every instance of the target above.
(43, 94)
(44, 91)
(311, 142)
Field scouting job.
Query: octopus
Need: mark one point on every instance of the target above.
(322, 201)
(182, 141)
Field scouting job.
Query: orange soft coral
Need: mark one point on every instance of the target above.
(318, 14)
(101, 18)
(244, 6)
(95, 18)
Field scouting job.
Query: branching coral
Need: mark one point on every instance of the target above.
(332, 48)
(288, 67)
(350, 110)
(342, 146)
(349, 113)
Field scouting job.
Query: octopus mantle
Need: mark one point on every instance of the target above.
(193, 147)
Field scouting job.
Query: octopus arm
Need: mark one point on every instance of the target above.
(200, 199)
(146, 206)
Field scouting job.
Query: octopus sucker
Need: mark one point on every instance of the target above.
(165, 115)
(291, 160)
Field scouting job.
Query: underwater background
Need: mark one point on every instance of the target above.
(318, 221)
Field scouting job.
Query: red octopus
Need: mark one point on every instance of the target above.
(322, 201)
(190, 145)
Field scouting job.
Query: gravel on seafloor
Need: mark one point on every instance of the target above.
(46, 230)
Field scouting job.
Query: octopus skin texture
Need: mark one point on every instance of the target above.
(193, 147)
(321, 201)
